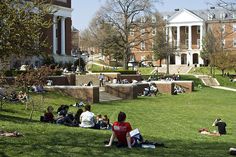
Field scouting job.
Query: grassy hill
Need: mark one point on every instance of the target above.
(174, 120)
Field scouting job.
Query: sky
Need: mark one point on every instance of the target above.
(84, 10)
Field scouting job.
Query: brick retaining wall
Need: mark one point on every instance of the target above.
(79, 92)
(125, 91)
(187, 85)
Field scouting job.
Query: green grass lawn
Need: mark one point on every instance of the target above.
(145, 70)
(225, 81)
(206, 71)
(173, 120)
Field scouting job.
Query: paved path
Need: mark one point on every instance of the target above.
(224, 88)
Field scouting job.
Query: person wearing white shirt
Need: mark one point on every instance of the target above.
(87, 118)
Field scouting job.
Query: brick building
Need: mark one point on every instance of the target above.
(58, 36)
(186, 30)
(60, 32)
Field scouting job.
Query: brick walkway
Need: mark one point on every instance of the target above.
(106, 97)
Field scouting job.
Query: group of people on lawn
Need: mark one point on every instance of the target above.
(82, 118)
(121, 130)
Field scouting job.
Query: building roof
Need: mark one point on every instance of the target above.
(206, 15)
(74, 29)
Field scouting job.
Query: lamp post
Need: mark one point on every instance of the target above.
(167, 49)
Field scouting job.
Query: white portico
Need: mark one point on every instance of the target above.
(186, 31)
(61, 50)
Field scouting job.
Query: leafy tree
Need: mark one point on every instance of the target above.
(127, 16)
(163, 45)
(80, 62)
(31, 78)
(223, 61)
(209, 47)
(21, 28)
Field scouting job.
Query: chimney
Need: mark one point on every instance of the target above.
(176, 10)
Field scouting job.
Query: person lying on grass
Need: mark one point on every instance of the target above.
(10, 134)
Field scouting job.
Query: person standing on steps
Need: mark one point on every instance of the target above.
(101, 78)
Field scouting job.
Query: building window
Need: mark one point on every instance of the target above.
(223, 43)
(198, 43)
(154, 31)
(165, 17)
(211, 16)
(234, 16)
(234, 42)
(223, 15)
(131, 32)
(198, 30)
(223, 28)
(175, 43)
(153, 45)
(132, 45)
(142, 32)
(154, 19)
(143, 19)
(142, 45)
(186, 30)
(234, 27)
(186, 43)
(143, 58)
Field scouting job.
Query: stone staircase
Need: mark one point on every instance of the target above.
(208, 80)
(175, 69)
(105, 97)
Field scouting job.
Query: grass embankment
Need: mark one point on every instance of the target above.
(223, 80)
(173, 120)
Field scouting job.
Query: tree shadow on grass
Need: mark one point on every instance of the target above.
(2, 154)
(85, 142)
(15, 119)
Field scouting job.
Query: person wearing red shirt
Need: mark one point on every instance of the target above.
(120, 130)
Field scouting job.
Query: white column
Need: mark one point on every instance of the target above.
(190, 37)
(178, 37)
(170, 34)
(63, 36)
(201, 36)
(54, 35)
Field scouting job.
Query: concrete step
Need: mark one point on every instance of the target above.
(105, 97)
(208, 80)
(175, 69)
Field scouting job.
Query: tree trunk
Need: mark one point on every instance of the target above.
(211, 69)
(32, 111)
(168, 65)
(125, 59)
(223, 72)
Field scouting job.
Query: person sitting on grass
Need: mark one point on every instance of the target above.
(48, 115)
(63, 117)
(14, 97)
(221, 126)
(120, 130)
(105, 122)
(22, 96)
(99, 121)
(76, 121)
(87, 118)
(221, 129)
